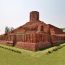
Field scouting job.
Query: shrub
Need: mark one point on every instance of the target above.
(55, 49)
(10, 48)
(49, 52)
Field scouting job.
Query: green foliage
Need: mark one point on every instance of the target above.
(11, 29)
(49, 52)
(7, 30)
(55, 49)
(10, 48)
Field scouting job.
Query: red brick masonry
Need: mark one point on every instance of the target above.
(34, 35)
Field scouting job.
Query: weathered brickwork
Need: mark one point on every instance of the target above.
(34, 35)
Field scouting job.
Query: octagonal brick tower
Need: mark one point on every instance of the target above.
(34, 16)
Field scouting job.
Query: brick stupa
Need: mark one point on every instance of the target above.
(35, 34)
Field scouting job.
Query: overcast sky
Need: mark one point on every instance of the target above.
(14, 13)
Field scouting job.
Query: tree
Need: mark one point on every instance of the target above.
(7, 30)
(11, 29)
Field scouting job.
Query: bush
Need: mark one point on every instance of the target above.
(55, 49)
(49, 52)
(10, 48)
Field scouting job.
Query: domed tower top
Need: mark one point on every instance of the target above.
(34, 16)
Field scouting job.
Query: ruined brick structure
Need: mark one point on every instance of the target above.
(34, 35)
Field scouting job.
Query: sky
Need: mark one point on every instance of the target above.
(14, 13)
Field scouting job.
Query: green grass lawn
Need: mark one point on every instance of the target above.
(8, 57)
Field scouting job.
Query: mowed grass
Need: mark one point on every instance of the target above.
(8, 57)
